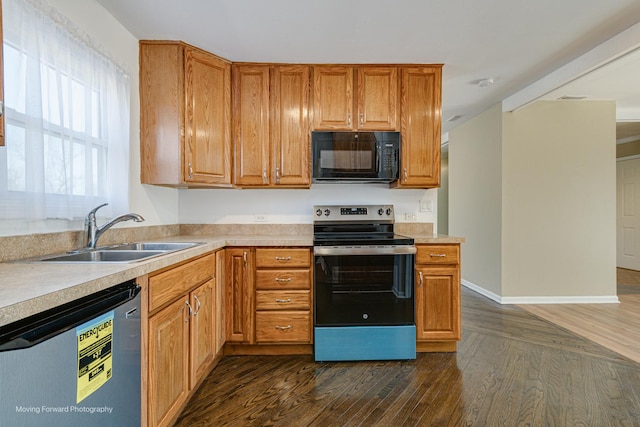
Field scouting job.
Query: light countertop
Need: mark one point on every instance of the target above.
(27, 288)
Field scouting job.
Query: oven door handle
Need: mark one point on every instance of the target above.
(364, 250)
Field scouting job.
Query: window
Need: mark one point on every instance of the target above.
(67, 120)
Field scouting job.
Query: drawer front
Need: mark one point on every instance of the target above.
(283, 326)
(281, 257)
(438, 254)
(283, 279)
(169, 285)
(283, 300)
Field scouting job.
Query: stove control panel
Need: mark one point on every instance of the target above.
(362, 213)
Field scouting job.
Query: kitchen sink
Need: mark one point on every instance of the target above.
(105, 256)
(152, 246)
(127, 252)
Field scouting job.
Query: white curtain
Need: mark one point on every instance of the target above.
(67, 119)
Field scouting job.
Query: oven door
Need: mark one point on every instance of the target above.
(364, 286)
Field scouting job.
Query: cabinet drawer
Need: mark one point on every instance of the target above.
(283, 279)
(283, 326)
(438, 254)
(167, 286)
(278, 257)
(283, 300)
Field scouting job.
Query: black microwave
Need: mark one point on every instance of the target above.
(355, 156)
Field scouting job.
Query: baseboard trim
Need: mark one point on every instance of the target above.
(610, 299)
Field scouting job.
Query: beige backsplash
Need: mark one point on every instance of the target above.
(34, 245)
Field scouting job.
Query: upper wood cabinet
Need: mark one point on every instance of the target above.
(271, 125)
(355, 98)
(1, 84)
(420, 123)
(185, 116)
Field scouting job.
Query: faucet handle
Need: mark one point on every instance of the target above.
(92, 214)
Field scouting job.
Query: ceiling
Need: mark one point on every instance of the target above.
(513, 42)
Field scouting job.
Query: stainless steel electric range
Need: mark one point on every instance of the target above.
(364, 303)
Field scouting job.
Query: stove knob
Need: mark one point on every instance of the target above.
(388, 211)
(318, 212)
(380, 211)
(327, 212)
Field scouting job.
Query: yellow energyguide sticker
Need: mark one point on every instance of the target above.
(95, 345)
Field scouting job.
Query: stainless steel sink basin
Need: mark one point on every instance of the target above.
(152, 246)
(105, 256)
(128, 252)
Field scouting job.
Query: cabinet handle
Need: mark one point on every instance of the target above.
(405, 174)
(283, 328)
(264, 175)
(1, 109)
(283, 300)
(244, 257)
(195, 313)
(283, 258)
(421, 279)
(437, 255)
(277, 174)
(349, 119)
(190, 312)
(190, 171)
(361, 119)
(277, 279)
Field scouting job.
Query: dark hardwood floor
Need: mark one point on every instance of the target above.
(511, 369)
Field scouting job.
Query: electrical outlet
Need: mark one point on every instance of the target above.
(411, 217)
(426, 205)
(259, 218)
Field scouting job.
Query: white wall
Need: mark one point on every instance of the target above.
(228, 206)
(559, 200)
(475, 197)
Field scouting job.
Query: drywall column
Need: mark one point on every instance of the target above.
(559, 200)
(475, 198)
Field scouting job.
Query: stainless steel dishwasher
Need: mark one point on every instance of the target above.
(77, 364)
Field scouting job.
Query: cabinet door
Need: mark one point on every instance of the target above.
(251, 125)
(207, 157)
(168, 362)
(220, 300)
(420, 126)
(1, 80)
(438, 303)
(290, 135)
(377, 98)
(239, 299)
(202, 330)
(333, 98)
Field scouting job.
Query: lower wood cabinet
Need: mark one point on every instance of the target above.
(283, 295)
(239, 298)
(181, 330)
(438, 311)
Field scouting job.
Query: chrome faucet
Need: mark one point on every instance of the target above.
(93, 232)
